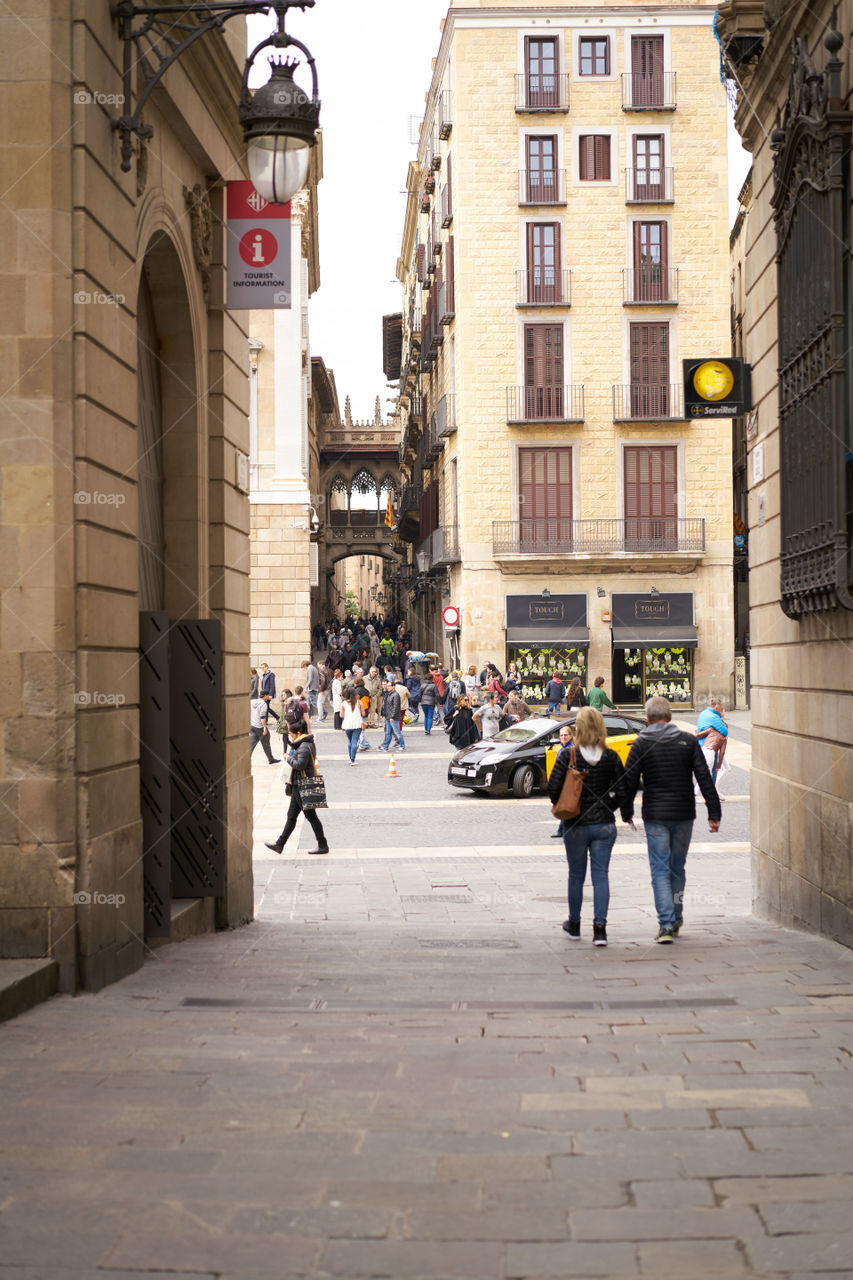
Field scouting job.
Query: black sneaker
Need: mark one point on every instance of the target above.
(572, 928)
(599, 935)
(677, 927)
(666, 933)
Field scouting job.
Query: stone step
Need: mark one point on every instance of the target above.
(26, 983)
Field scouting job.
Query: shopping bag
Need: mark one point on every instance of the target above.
(568, 804)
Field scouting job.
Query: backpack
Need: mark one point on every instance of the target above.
(293, 711)
(457, 689)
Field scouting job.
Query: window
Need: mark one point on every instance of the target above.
(541, 185)
(542, 67)
(543, 372)
(651, 275)
(648, 166)
(545, 496)
(651, 497)
(544, 276)
(594, 157)
(594, 59)
(649, 371)
(647, 87)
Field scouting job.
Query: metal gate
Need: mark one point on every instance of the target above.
(197, 741)
(154, 769)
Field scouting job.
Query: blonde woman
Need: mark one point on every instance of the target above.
(589, 838)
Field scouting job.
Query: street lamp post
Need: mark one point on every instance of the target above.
(279, 120)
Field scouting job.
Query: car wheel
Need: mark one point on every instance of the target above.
(523, 782)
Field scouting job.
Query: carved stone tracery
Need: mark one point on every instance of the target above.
(201, 231)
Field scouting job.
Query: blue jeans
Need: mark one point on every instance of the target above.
(429, 713)
(554, 706)
(311, 699)
(391, 726)
(668, 843)
(595, 840)
(353, 736)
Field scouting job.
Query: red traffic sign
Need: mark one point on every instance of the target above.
(450, 615)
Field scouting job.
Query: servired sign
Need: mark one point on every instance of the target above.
(258, 250)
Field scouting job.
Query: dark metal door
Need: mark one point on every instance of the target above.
(155, 787)
(197, 759)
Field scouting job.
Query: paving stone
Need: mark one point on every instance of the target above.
(663, 1224)
(532, 1261)
(674, 1193)
(410, 1258)
(784, 1189)
(679, 1258)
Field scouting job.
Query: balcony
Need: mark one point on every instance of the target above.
(443, 546)
(649, 186)
(446, 309)
(541, 187)
(544, 404)
(544, 287)
(648, 93)
(433, 442)
(416, 324)
(541, 92)
(641, 535)
(445, 416)
(433, 152)
(655, 402)
(645, 286)
(445, 115)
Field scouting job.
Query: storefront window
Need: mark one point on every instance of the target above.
(669, 674)
(662, 671)
(537, 664)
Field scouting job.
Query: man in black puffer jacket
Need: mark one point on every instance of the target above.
(667, 760)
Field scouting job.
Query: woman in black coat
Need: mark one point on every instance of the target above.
(590, 836)
(463, 731)
(301, 757)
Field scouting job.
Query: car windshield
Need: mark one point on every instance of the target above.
(516, 733)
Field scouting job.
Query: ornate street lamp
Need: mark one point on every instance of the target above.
(279, 120)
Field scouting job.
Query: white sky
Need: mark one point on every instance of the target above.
(374, 67)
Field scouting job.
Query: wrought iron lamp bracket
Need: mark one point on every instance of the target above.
(157, 35)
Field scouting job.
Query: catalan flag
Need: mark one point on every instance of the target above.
(389, 514)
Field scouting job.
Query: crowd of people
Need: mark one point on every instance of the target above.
(371, 678)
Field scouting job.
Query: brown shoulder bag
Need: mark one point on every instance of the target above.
(569, 802)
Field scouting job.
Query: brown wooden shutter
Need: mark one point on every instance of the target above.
(451, 279)
(651, 482)
(421, 262)
(602, 157)
(586, 157)
(450, 186)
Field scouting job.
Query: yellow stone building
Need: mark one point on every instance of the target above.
(565, 247)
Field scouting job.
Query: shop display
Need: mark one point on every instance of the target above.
(668, 674)
(537, 664)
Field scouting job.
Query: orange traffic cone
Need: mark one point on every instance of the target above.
(392, 768)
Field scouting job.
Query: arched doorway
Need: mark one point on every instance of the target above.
(181, 694)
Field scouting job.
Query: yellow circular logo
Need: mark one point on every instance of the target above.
(713, 380)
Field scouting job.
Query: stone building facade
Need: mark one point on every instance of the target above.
(284, 469)
(564, 247)
(792, 68)
(125, 422)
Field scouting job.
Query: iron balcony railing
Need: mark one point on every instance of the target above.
(644, 534)
(445, 415)
(433, 442)
(443, 545)
(445, 114)
(649, 284)
(541, 186)
(544, 287)
(545, 404)
(446, 305)
(434, 152)
(639, 402)
(648, 93)
(416, 324)
(447, 205)
(538, 92)
(649, 186)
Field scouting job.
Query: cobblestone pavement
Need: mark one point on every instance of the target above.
(404, 1068)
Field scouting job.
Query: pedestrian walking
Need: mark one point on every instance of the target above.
(515, 709)
(461, 729)
(666, 760)
(428, 699)
(471, 680)
(352, 722)
(488, 717)
(302, 757)
(575, 696)
(324, 692)
(565, 736)
(373, 685)
(337, 699)
(597, 697)
(413, 684)
(312, 684)
(589, 838)
(258, 731)
(391, 712)
(255, 681)
(555, 691)
(712, 733)
(267, 688)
